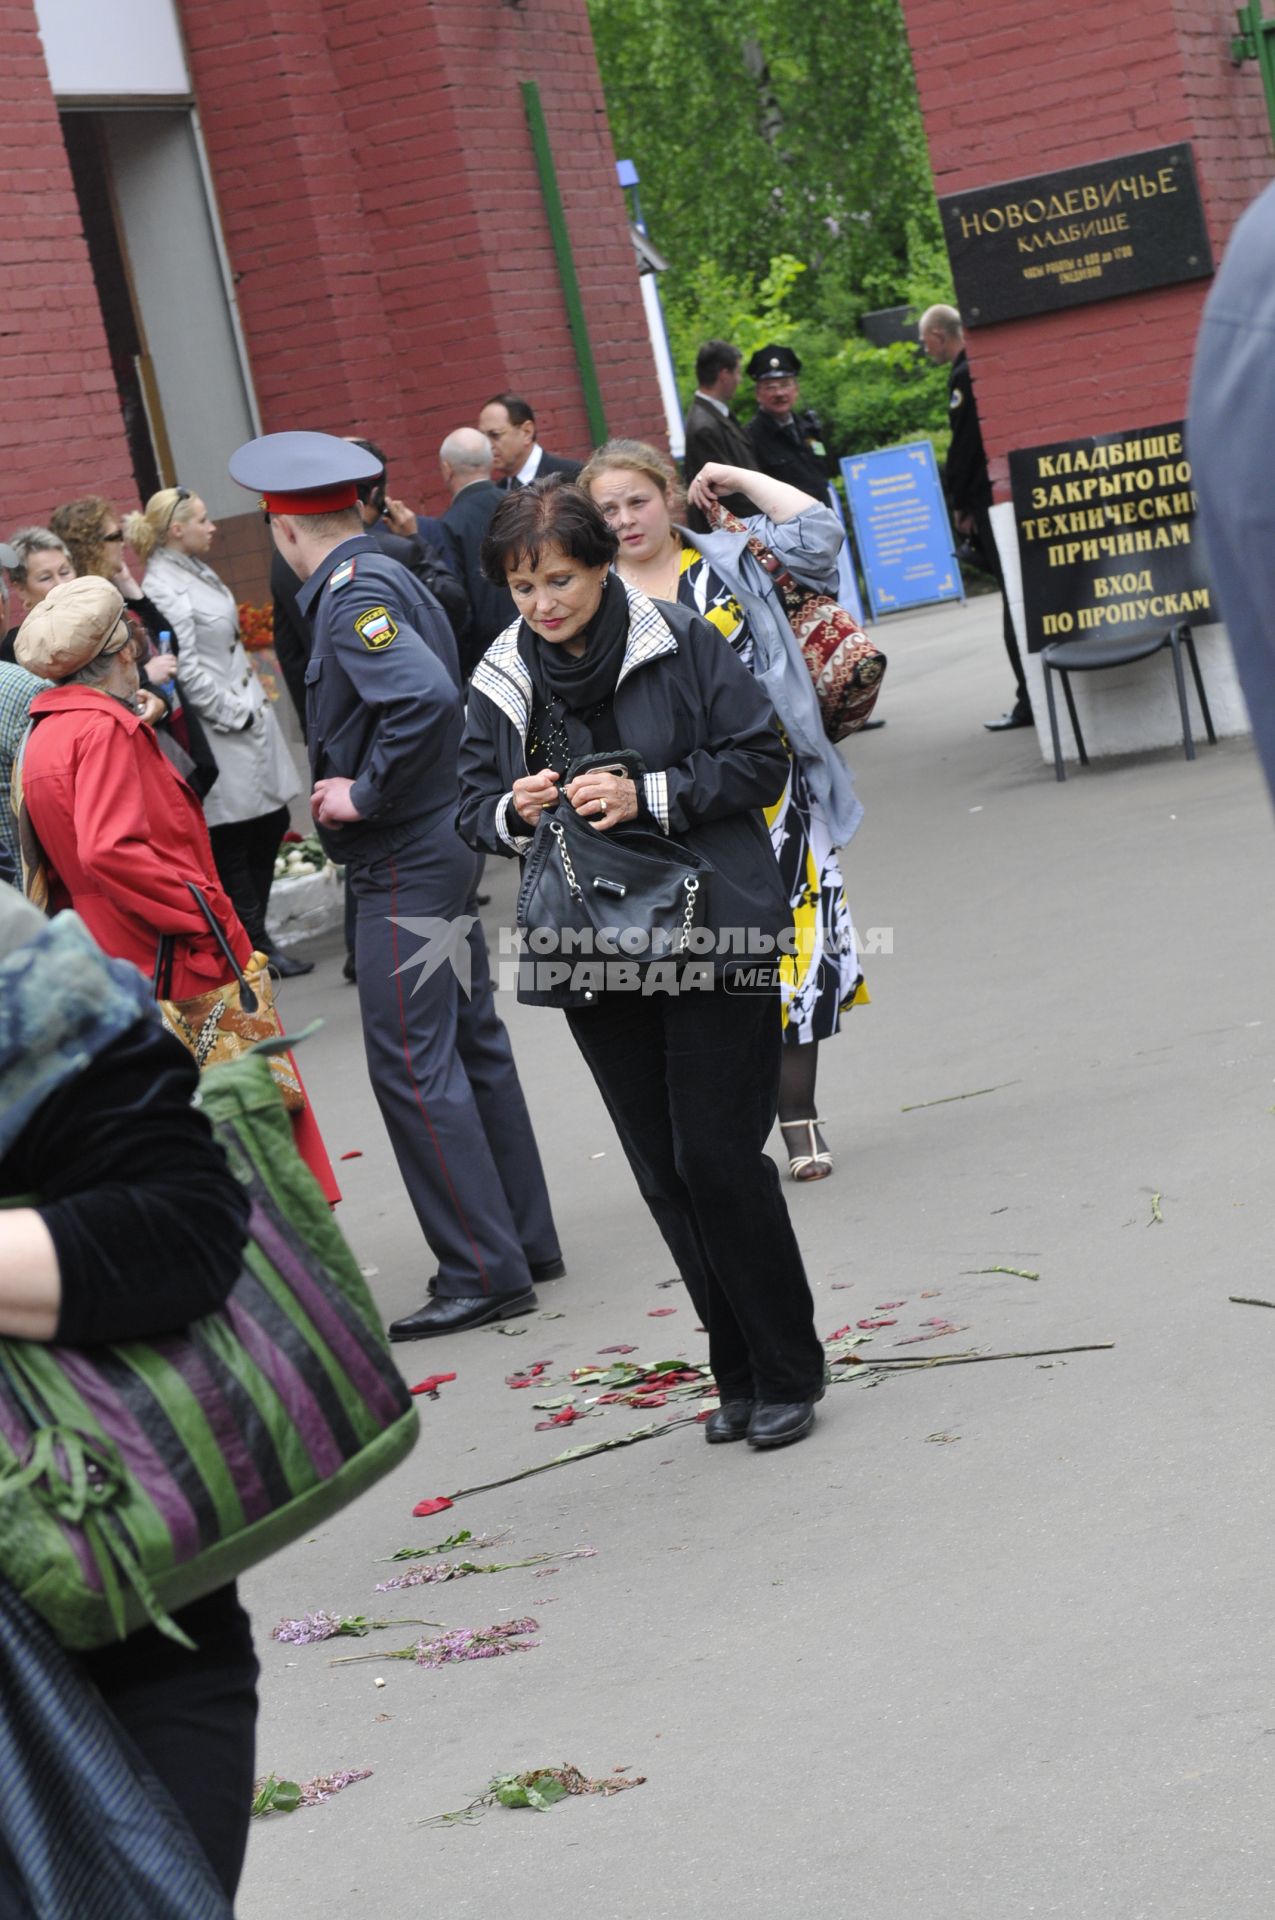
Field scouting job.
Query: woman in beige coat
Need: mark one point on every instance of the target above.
(247, 809)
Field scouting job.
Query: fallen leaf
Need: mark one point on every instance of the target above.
(934, 1293)
(423, 1508)
(943, 1439)
(842, 1286)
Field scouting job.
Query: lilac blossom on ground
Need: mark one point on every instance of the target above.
(324, 1785)
(469, 1643)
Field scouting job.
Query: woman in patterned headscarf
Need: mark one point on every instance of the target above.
(637, 491)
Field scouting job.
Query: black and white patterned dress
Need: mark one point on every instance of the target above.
(823, 979)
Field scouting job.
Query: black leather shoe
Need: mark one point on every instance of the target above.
(1016, 717)
(349, 971)
(870, 726)
(287, 968)
(540, 1270)
(779, 1423)
(728, 1422)
(454, 1315)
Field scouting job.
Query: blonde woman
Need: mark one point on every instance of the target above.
(639, 497)
(247, 809)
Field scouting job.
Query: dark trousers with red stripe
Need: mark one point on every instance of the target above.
(442, 1068)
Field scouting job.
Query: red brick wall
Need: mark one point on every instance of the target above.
(61, 434)
(1016, 87)
(383, 216)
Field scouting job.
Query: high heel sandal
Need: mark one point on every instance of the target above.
(816, 1163)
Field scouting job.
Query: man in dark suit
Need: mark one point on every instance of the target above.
(786, 444)
(712, 432)
(517, 456)
(969, 487)
(466, 463)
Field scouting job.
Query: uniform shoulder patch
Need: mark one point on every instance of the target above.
(341, 576)
(375, 629)
(957, 397)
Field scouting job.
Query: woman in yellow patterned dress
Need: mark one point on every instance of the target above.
(638, 494)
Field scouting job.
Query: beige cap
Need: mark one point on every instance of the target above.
(70, 627)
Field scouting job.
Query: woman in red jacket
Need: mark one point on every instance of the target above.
(121, 835)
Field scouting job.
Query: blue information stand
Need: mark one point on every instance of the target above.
(901, 525)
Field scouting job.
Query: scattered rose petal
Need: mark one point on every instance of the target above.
(870, 1326)
(659, 1313)
(313, 1792)
(933, 1293)
(936, 1333)
(888, 1306)
(617, 1349)
(841, 1332)
(423, 1508)
(841, 1286)
(355, 1153)
(432, 1384)
(527, 1376)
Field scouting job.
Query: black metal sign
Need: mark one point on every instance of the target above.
(1107, 536)
(1088, 233)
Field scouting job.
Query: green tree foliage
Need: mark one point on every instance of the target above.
(785, 176)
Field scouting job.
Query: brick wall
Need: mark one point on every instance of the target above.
(383, 217)
(60, 429)
(1016, 87)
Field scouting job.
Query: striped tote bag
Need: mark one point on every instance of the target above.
(136, 1478)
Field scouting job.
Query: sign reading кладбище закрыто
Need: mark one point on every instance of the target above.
(1107, 536)
(1085, 233)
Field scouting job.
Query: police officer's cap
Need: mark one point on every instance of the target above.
(302, 473)
(773, 363)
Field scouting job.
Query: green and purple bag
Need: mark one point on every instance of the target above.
(135, 1478)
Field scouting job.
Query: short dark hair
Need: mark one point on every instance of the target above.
(714, 357)
(519, 411)
(549, 513)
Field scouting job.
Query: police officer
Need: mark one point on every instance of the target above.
(786, 444)
(383, 724)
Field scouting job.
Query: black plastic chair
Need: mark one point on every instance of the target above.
(1091, 656)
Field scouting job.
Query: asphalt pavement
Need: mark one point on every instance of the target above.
(993, 1642)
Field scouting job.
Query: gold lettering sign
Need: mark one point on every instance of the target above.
(1089, 233)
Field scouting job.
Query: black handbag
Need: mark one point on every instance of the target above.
(630, 893)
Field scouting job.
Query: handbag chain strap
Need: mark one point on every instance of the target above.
(559, 835)
(691, 884)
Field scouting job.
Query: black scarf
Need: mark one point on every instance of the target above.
(585, 680)
(576, 691)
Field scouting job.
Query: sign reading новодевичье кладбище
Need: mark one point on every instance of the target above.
(1086, 233)
(1107, 537)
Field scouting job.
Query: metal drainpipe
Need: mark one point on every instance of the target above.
(1256, 41)
(566, 260)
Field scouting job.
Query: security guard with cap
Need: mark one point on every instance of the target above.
(786, 444)
(384, 722)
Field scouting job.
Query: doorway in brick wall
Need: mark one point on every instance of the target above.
(160, 273)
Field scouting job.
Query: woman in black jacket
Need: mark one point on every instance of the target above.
(136, 1229)
(690, 1078)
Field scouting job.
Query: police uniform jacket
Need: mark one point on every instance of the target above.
(785, 453)
(965, 470)
(689, 706)
(383, 705)
(255, 771)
